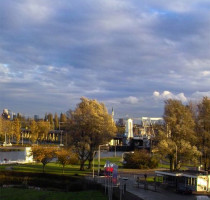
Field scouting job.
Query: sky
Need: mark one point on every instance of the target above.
(131, 55)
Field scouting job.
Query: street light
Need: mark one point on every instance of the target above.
(176, 155)
(59, 128)
(99, 156)
(93, 163)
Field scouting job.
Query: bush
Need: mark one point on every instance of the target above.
(140, 160)
(65, 183)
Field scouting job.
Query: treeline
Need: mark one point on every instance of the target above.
(87, 127)
(185, 135)
(12, 130)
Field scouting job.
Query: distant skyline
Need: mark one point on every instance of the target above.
(130, 55)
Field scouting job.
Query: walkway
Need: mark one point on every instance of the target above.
(150, 193)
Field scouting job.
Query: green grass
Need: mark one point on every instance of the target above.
(55, 168)
(25, 194)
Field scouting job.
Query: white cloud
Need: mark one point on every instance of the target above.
(205, 73)
(198, 95)
(169, 95)
(4, 68)
(156, 93)
(130, 100)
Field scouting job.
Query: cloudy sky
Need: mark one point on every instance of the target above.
(129, 54)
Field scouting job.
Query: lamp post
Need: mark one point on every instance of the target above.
(115, 153)
(93, 164)
(176, 155)
(99, 156)
(59, 128)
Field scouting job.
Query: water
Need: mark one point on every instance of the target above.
(12, 156)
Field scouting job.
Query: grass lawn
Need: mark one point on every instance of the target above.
(25, 194)
(55, 168)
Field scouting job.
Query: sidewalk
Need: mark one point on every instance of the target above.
(151, 194)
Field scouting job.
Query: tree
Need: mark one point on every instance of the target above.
(66, 157)
(91, 125)
(63, 121)
(56, 121)
(17, 130)
(203, 129)
(7, 129)
(140, 160)
(43, 129)
(43, 154)
(1, 128)
(50, 120)
(34, 131)
(63, 117)
(178, 134)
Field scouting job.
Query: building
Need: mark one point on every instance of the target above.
(185, 181)
(36, 117)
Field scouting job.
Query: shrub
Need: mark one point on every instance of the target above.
(140, 160)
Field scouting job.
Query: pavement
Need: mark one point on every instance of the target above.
(150, 193)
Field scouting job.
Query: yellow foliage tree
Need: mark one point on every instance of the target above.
(66, 157)
(91, 125)
(43, 154)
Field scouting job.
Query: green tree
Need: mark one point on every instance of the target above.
(91, 126)
(203, 130)
(178, 133)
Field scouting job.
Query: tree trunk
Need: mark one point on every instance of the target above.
(171, 164)
(90, 163)
(82, 166)
(43, 168)
(63, 169)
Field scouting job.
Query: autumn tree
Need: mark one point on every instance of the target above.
(43, 129)
(43, 154)
(203, 130)
(50, 120)
(56, 121)
(34, 131)
(16, 126)
(7, 130)
(63, 117)
(1, 128)
(140, 160)
(178, 137)
(91, 126)
(66, 157)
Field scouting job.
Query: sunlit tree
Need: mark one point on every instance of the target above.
(91, 126)
(43, 129)
(34, 131)
(203, 130)
(16, 126)
(66, 157)
(179, 135)
(56, 121)
(43, 154)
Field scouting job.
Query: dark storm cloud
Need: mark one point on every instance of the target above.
(129, 54)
